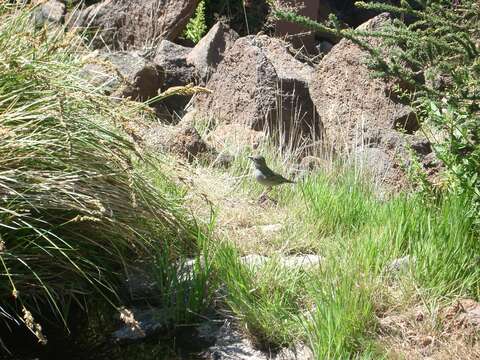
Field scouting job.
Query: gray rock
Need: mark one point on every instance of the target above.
(400, 264)
(50, 12)
(231, 344)
(172, 59)
(208, 331)
(134, 24)
(359, 111)
(373, 161)
(145, 323)
(259, 84)
(124, 74)
(209, 51)
(297, 352)
(243, 86)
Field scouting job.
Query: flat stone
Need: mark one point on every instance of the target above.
(149, 321)
(291, 262)
(233, 345)
(302, 261)
(270, 229)
(400, 264)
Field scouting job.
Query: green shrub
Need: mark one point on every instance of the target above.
(197, 26)
(244, 19)
(433, 58)
(435, 63)
(75, 212)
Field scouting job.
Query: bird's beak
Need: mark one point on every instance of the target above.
(250, 157)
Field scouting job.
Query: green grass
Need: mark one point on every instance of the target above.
(265, 298)
(334, 308)
(183, 275)
(79, 204)
(76, 210)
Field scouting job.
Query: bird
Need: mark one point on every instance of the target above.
(265, 176)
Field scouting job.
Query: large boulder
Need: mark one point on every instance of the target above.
(172, 58)
(50, 12)
(127, 24)
(209, 51)
(260, 85)
(360, 112)
(124, 74)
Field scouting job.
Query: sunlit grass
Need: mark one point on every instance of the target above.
(76, 210)
(358, 235)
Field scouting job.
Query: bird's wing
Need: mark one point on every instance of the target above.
(280, 178)
(268, 172)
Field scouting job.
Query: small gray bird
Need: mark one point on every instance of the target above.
(264, 175)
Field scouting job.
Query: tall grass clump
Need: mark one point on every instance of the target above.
(74, 210)
(265, 297)
(185, 285)
(365, 235)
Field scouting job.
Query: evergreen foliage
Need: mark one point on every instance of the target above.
(245, 17)
(433, 59)
(197, 26)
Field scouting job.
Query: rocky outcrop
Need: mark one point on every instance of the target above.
(127, 24)
(172, 58)
(361, 115)
(259, 84)
(50, 12)
(209, 51)
(124, 74)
